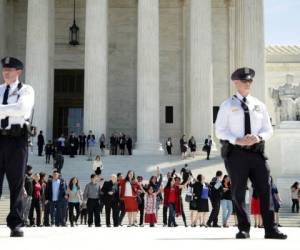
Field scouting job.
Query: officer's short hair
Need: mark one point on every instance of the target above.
(93, 176)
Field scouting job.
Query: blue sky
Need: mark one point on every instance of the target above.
(282, 22)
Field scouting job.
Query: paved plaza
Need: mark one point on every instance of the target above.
(143, 238)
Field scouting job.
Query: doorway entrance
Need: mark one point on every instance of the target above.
(68, 102)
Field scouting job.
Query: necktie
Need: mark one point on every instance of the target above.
(247, 116)
(4, 122)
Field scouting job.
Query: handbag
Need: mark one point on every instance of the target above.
(189, 195)
(205, 148)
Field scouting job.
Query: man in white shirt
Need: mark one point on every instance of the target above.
(16, 104)
(242, 125)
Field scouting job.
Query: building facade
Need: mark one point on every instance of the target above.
(149, 68)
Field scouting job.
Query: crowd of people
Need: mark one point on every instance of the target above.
(119, 144)
(50, 200)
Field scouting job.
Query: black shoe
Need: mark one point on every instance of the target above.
(208, 224)
(17, 232)
(216, 225)
(242, 235)
(276, 235)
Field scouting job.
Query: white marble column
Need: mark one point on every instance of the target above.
(200, 90)
(95, 65)
(250, 43)
(38, 66)
(148, 79)
(3, 48)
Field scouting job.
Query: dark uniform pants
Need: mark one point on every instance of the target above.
(13, 159)
(242, 165)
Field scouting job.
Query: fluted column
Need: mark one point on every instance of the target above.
(250, 43)
(148, 78)
(2, 29)
(38, 66)
(95, 63)
(200, 90)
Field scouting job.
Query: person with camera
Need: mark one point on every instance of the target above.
(16, 105)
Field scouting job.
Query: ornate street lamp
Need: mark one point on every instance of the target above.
(74, 32)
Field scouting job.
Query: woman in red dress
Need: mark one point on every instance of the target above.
(128, 193)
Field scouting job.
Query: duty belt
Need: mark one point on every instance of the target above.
(14, 131)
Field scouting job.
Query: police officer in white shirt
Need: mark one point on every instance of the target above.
(242, 125)
(16, 104)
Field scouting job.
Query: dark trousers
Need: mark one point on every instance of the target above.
(83, 216)
(47, 214)
(40, 150)
(213, 218)
(57, 212)
(48, 156)
(208, 152)
(165, 215)
(122, 212)
(93, 207)
(129, 149)
(73, 218)
(13, 159)
(82, 149)
(295, 205)
(172, 214)
(141, 208)
(111, 206)
(242, 165)
(35, 205)
(169, 150)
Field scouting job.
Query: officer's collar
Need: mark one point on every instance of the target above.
(13, 85)
(241, 97)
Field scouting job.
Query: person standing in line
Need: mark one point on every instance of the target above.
(91, 196)
(183, 147)
(226, 201)
(276, 200)
(216, 190)
(129, 189)
(72, 145)
(169, 146)
(74, 199)
(82, 143)
(28, 193)
(150, 206)
(36, 201)
(48, 151)
(243, 125)
(122, 143)
(192, 146)
(207, 145)
(295, 197)
(129, 145)
(102, 144)
(40, 143)
(110, 192)
(97, 166)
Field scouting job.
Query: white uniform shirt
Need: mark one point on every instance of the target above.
(17, 110)
(230, 123)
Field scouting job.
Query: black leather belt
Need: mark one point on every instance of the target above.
(15, 131)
